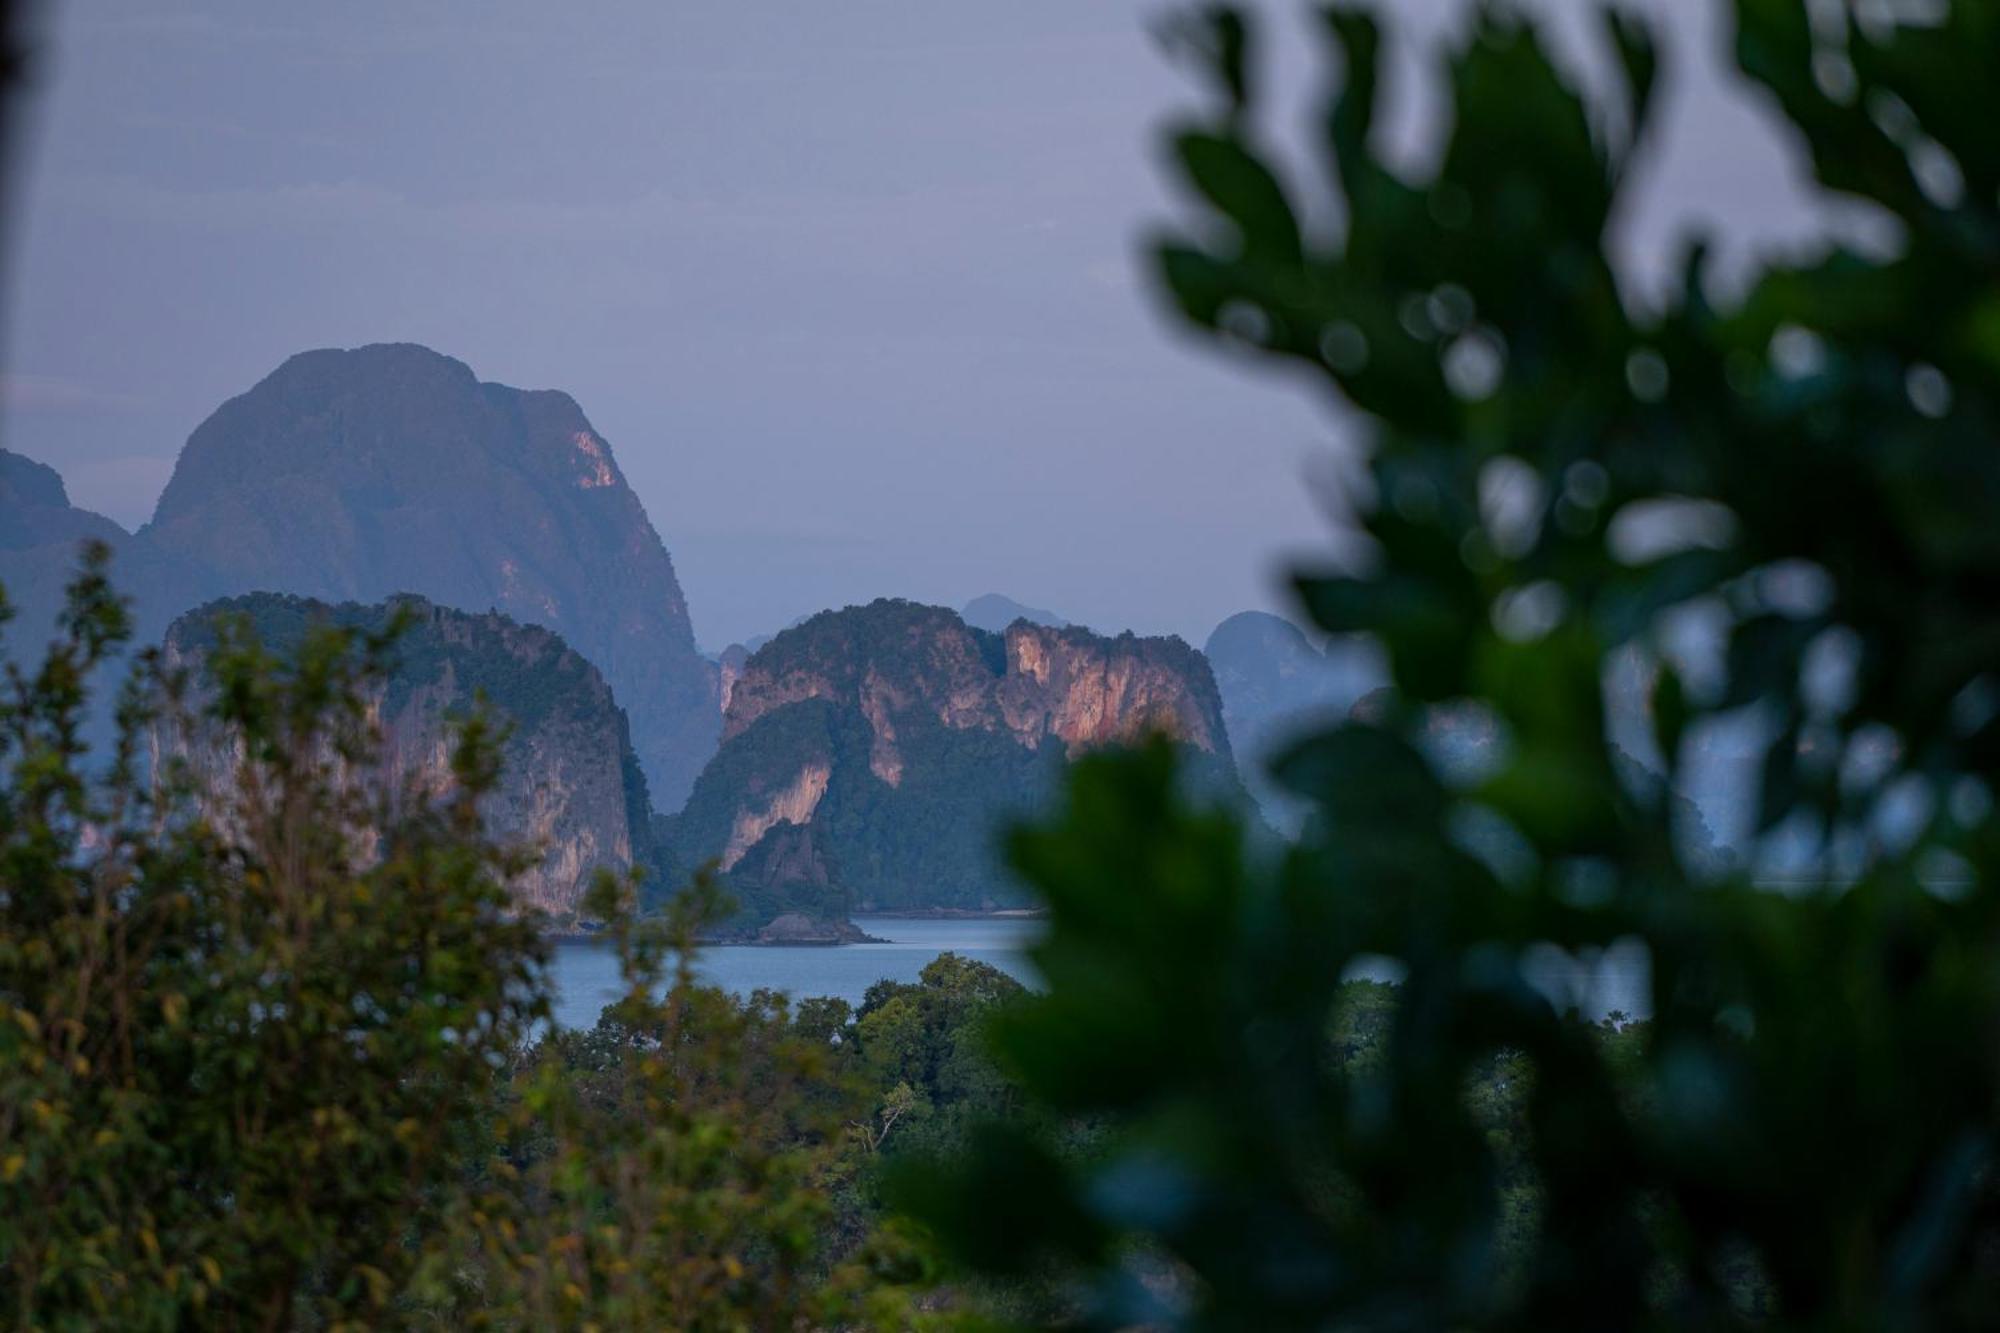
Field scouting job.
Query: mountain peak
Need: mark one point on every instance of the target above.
(351, 475)
(27, 484)
(372, 358)
(995, 612)
(44, 530)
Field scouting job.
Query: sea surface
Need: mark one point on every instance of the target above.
(586, 972)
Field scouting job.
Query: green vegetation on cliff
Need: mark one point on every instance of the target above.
(527, 675)
(928, 841)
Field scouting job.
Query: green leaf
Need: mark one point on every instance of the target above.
(1246, 192)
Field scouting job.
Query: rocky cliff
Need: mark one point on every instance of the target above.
(1034, 682)
(870, 755)
(571, 784)
(355, 475)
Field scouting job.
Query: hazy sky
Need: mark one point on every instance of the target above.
(850, 285)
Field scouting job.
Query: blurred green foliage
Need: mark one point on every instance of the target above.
(1562, 477)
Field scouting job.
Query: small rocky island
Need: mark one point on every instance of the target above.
(872, 756)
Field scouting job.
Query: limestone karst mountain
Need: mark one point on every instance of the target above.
(355, 475)
(570, 782)
(870, 756)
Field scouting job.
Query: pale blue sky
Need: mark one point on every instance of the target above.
(850, 286)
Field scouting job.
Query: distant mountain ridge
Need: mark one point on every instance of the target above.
(40, 533)
(870, 755)
(1276, 684)
(570, 781)
(994, 613)
(36, 506)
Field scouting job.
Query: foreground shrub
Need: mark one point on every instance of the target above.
(239, 1029)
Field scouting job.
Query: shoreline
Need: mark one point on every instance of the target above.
(571, 935)
(729, 942)
(956, 914)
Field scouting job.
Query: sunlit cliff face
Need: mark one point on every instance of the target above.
(1080, 688)
(593, 462)
(792, 804)
(1089, 691)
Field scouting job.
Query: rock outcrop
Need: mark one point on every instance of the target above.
(871, 755)
(729, 665)
(796, 928)
(792, 804)
(571, 783)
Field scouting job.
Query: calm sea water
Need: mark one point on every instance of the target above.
(586, 974)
